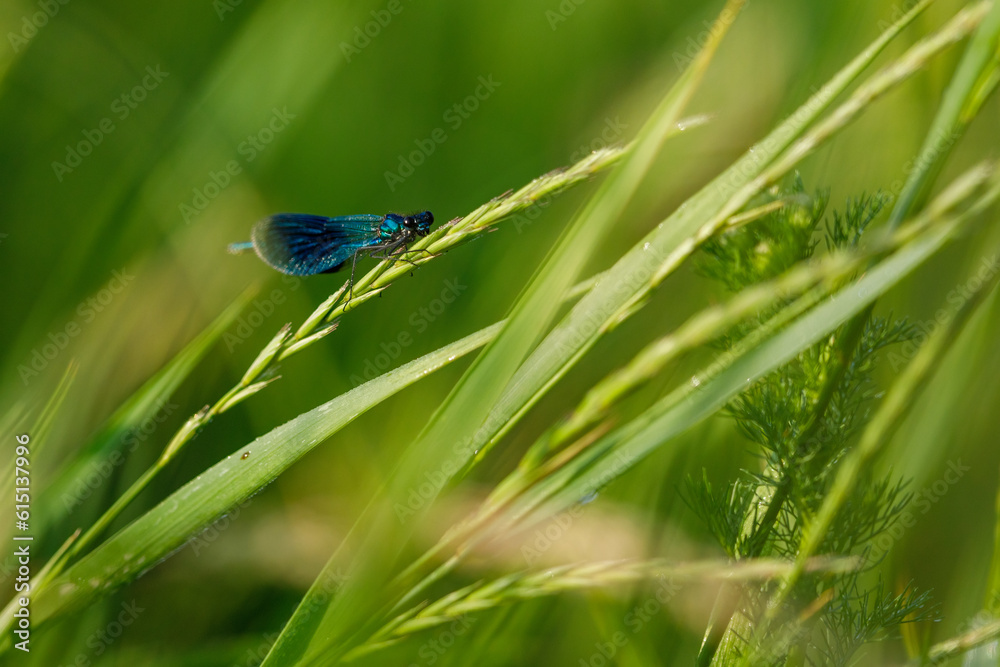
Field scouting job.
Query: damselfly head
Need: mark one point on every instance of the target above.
(420, 223)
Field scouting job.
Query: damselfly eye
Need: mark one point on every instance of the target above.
(408, 221)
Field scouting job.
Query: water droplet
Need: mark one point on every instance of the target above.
(695, 382)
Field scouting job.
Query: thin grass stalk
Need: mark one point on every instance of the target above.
(528, 585)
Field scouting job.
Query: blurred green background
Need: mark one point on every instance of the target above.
(198, 118)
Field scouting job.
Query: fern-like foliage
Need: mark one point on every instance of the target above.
(801, 419)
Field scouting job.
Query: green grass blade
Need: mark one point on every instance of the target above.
(140, 406)
(165, 528)
(961, 102)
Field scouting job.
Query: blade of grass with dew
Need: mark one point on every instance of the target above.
(143, 404)
(166, 527)
(380, 534)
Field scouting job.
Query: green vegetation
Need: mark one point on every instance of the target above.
(734, 410)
